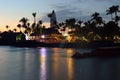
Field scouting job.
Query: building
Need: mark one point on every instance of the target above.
(53, 20)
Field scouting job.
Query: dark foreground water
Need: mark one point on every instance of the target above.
(54, 64)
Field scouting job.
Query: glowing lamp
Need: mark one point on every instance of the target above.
(65, 34)
(26, 37)
(43, 36)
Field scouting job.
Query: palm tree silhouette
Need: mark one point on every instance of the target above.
(15, 29)
(79, 22)
(28, 25)
(19, 26)
(116, 9)
(40, 22)
(110, 11)
(24, 21)
(95, 16)
(7, 27)
(97, 19)
(50, 15)
(113, 9)
(34, 15)
(70, 22)
(39, 28)
(117, 18)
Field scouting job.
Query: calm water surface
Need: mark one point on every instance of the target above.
(54, 64)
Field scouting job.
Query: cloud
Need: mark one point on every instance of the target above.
(64, 12)
(81, 9)
(98, 0)
(102, 2)
(68, 13)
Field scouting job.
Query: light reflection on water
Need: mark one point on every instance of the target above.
(43, 66)
(54, 64)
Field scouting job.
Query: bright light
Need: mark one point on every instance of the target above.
(43, 36)
(26, 37)
(65, 34)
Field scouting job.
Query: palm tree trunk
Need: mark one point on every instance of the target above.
(20, 29)
(111, 16)
(35, 20)
(115, 14)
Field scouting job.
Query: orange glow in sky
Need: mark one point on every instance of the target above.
(11, 11)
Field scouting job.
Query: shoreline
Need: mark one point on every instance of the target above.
(30, 43)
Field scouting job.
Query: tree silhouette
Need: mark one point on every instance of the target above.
(111, 29)
(28, 25)
(36, 28)
(110, 11)
(117, 18)
(15, 29)
(39, 28)
(50, 15)
(70, 22)
(116, 9)
(24, 21)
(7, 27)
(113, 9)
(96, 18)
(78, 28)
(19, 26)
(92, 28)
(34, 15)
(79, 22)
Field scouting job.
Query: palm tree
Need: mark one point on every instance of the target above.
(39, 27)
(28, 31)
(50, 15)
(40, 22)
(79, 22)
(70, 22)
(110, 11)
(24, 21)
(95, 16)
(116, 9)
(15, 29)
(33, 26)
(28, 24)
(117, 18)
(19, 26)
(111, 29)
(7, 27)
(78, 28)
(113, 9)
(34, 15)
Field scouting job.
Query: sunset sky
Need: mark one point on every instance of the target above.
(11, 11)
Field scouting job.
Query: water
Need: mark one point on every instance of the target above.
(54, 64)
